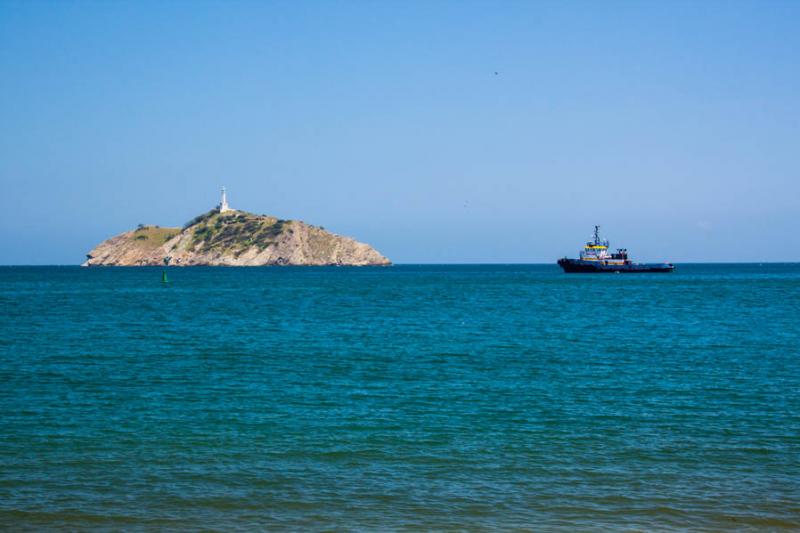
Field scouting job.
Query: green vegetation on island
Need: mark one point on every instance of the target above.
(236, 231)
(152, 237)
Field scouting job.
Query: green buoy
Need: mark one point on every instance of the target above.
(164, 272)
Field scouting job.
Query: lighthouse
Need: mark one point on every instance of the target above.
(223, 202)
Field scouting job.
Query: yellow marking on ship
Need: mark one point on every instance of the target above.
(591, 247)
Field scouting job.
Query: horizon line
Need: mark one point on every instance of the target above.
(12, 265)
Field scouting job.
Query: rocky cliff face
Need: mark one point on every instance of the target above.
(233, 238)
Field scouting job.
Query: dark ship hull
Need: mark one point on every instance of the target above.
(572, 266)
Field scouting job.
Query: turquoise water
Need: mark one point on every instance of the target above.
(409, 397)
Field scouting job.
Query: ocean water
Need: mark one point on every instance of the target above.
(400, 398)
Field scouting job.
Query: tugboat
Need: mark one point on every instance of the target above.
(595, 258)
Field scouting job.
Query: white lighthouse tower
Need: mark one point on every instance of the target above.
(223, 202)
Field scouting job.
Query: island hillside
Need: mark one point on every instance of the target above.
(233, 238)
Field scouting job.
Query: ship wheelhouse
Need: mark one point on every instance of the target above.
(597, 250)
(592, 252)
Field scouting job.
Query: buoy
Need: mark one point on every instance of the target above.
(164, 279)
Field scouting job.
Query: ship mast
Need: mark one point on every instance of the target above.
(597, 235)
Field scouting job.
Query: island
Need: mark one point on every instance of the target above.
(229, 237)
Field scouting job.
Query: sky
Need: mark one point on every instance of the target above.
(436, 131)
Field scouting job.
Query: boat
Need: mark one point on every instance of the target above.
(595, 257)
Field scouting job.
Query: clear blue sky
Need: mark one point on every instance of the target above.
(675, 125)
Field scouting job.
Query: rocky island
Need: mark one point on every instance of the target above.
(229, 237)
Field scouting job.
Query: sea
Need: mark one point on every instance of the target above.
(402, 398)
